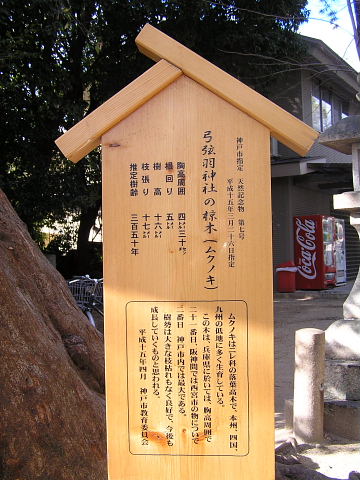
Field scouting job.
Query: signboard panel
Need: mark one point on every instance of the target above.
(190, 375)
(188, 275)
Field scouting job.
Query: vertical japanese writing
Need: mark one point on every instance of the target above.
(142, 356)
(150, 180)
(144, 416)
(206, 358)
(155, 351)
(190, 377)
(148, 227)
(182, 232)
(194, 385)
(181, 362)
(134, 222)
(144, 413)
(219, 349)
(158, 226)
(169, 177)
(241, 228)
(240, 187)
(233, 384)
(181, 179)
(170, 221)
(168, 360)
(145, 178)
(206, 364)
(239, 154)
(241, 207)
(134, 180)
(230, 222)
(209, 214)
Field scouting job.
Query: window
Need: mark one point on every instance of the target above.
(327, 108)
(344, 110)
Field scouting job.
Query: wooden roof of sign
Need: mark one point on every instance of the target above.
(174, 60)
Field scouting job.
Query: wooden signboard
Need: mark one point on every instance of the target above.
(188, 269)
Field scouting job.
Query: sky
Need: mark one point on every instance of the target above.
(338, 39)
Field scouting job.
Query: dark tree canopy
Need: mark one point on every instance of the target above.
(63, 58)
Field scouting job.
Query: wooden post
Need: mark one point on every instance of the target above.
(187, 267)
(188, 272)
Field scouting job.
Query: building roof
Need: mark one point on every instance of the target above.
(175, 59)
(331, 64)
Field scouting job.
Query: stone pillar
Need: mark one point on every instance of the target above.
(308, 420)
(344, 137)
(351, 307)
(342, 411)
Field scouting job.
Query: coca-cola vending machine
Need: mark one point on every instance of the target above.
(314, 252)
(340, 252)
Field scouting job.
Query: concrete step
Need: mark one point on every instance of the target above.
(342, 380)
(341, 418)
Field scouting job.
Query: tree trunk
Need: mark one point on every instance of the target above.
(52, 369)
(87, 221)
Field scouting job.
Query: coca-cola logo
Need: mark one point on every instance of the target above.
(305, 237)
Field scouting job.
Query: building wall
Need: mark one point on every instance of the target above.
(300, 105)
(352, 245)
(317, 151)
(293, 92)
(287, 93)
(342, 91)
(289, 200)
(306, 90)
(310, 202)
(281, 208)
(332, 156)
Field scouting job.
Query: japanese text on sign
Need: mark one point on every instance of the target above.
(209, 213)
(157, 179)
(188, 381)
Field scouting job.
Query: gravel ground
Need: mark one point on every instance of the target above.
(336, 457)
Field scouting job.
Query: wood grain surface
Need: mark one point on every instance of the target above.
(83, 137)
(286, 128)
(188, 290)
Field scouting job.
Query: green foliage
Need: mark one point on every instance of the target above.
(62, 58)
(62, 239)
(329, 8)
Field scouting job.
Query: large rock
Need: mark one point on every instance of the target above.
(342, 369)
(343, 340)
(342, 380)
(342, 135)
(52, 369)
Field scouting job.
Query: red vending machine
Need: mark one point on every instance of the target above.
(314, 252)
